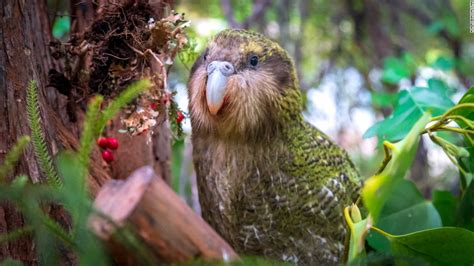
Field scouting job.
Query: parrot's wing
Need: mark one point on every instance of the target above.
(323, 178)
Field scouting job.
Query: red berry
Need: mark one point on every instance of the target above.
(112, 143)
(153, 106)
(108, 156)
(103, 142)
(179, 117)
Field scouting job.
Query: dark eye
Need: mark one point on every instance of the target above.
(254, 60)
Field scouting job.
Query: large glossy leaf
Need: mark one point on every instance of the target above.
(465, 212)
(446, 205)
(440, 246)
(406, 211)
(384, 99)
(411, 105)
(378, 188)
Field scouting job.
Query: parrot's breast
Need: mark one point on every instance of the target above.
(248, 197)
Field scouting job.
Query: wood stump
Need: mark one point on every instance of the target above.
(170, 229)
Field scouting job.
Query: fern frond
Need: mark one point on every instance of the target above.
(94, 122)
(12, 235)
(58, 231)
(12, 157)
(130, 93)
(11, 262)
(38, 138)
(88, 135)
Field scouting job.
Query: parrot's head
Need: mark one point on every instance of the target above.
(244, 85)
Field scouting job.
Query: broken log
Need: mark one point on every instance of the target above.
(159, 218)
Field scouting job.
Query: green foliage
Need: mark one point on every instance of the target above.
(38, 137)
(358, 231)
(10, 236)
(440, 246)
(188, 54)
(121, 100)
(12, 157)
(465, 210)
(444, 63)
(410, 106)
(399, 156)
(93, 125)
(176, 162)
(10, 262)
(395, 69)
(61, 26)
(404, 212)
(446, 204)
(400, 222)
(244, 261)
(382, 99)
(49, 236)
(79, 206)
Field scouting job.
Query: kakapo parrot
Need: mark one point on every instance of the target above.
(269, 183)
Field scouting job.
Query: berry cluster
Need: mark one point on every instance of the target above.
(179, 117)
(108, 144)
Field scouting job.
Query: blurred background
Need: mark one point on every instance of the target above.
(352, 57)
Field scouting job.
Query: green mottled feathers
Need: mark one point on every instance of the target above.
(273, 185)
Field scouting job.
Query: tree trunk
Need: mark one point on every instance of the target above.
(25, 34)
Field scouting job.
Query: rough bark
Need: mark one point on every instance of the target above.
(24, 55)
(24, 35)
(168, 227)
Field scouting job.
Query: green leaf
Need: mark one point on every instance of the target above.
(378, 188)
(38, 136)
(444, 63)
(435, 27)
(12, 157)
(126, 96)
(406, 211)
(446, 205)
(396, 69)
(451, 24)
(440, 246)
(61, 26)
(80, 208)
(11, 262)
(468, 113)
(411, 105)
(384, 99)
(467, 163)
(465, 212)
(440, 87)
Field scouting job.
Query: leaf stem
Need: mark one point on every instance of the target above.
(382, 232)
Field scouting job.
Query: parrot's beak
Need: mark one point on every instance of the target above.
(218, 73)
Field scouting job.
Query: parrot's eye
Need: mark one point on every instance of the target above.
(253, 60)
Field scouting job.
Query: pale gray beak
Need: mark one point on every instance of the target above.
(218, 73)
